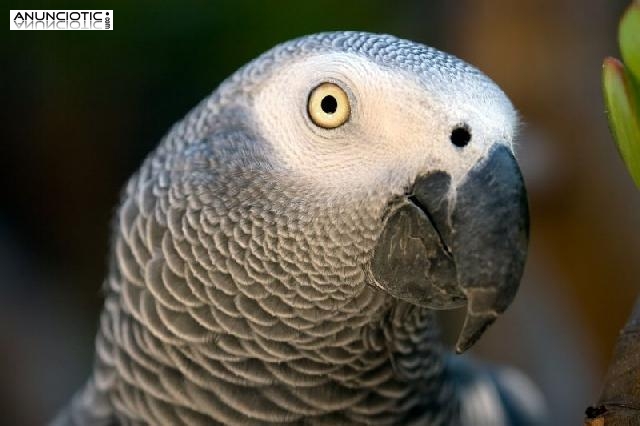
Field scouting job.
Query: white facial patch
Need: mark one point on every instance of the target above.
(399, 126)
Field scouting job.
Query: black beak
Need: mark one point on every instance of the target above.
(445, 246)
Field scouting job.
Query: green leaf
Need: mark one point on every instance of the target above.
(622, 110)
(629, 38)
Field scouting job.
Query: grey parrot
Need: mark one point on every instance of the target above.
(279, 257)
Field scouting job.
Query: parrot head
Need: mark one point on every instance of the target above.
(419, 138)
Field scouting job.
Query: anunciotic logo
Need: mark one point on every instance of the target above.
(61, 19)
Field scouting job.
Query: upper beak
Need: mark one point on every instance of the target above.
(466, 244)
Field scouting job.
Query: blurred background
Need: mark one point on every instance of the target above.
(82, 109)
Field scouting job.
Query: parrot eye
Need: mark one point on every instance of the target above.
(328, 106)
(460, 136)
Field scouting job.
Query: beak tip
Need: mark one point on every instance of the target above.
(473, 328)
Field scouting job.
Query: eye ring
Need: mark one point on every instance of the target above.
(328, 106)
(460, 135)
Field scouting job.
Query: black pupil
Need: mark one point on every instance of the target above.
(329, 104)
(460, 136)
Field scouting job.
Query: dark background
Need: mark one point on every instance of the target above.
(83, 108)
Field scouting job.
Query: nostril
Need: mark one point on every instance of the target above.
(460, 136)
